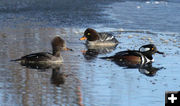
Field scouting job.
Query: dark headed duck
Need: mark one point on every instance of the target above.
(98, 39)
(141, 56)
(58, 44)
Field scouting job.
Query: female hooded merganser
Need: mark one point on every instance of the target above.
(98, 39)
(58, 44)
(141, 56)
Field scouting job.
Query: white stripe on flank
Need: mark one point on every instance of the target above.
(109, 38)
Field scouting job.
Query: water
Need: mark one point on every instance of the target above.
(29, 26)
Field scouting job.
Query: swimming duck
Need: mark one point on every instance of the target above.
(58, 44)
(141, 56)
(98, 39)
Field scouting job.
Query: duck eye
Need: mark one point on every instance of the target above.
(89, 34)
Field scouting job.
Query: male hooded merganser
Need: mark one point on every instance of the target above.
(98, 39)
(141, 56)
(58, 44)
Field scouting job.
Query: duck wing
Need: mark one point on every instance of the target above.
(106, 37)
(42, 56)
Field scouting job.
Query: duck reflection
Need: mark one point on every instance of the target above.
(69, 84)
(149, 70)
(57, 76)
(40, 66)
(146, 69)
(93, 51)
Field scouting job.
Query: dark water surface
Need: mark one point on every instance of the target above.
(29, 26)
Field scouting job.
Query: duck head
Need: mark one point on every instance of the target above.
(150, 49)
(90, 34)
(58, 44)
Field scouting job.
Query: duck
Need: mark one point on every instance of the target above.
(93, 38)
(131, 57)
(58, 44)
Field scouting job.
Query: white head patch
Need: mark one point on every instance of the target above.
(144, 49)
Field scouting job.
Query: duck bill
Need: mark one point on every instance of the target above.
(83, 38)
(160, 52)
(83, 51)
(68, 49)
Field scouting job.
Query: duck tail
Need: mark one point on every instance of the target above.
(108, 58)
(16, 59)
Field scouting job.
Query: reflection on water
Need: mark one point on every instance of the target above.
(90, 54)
(93, 51)
(57, 78)
(39, 66)
(149, 70)
(146, 69)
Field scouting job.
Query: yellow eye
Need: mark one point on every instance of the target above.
(88, 34)
(152, 48)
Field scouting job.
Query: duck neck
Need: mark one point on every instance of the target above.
(56, 53)
(93, 37)
(148, 55)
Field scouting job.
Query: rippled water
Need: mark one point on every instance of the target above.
(83, 79)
